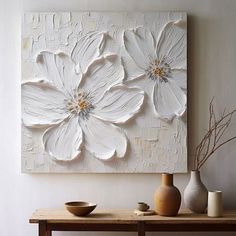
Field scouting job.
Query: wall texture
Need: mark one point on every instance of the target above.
(212, 59)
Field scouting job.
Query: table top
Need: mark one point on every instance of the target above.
(127, 216)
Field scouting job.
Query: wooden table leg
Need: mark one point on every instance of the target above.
(141, 228)
(43, 229)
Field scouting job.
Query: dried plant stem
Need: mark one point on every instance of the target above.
(211, 141)
(204, 160)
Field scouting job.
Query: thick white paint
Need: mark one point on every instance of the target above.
(56, 104)
(60, 70)
(103, 73)
(63, 142)
(87, 49)
(42, 104)
(119, 104)
(169, 100)
(172, 43)
(96, 45)
(103, 139)
(140, 45)
(168, 50)
(212, 60)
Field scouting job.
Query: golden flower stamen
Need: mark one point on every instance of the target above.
(80, 104)
(158, 69)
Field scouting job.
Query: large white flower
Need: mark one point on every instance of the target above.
(80, 110)
(164, 62)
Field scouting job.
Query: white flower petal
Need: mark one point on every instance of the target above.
(104, 140)
(87, 49)
(179, 76)
(42, 104)
(132, 71)
(146, 118)
(172, 44)
(119, 104)
(63, 142)
(139, 44)
(59, 69)
(102, 74)
(169, 100)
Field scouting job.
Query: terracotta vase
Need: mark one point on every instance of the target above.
(195, 194)
(167, 197)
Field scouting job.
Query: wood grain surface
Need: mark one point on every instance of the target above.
(126, 216)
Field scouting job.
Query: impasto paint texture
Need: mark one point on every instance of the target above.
(104, 92)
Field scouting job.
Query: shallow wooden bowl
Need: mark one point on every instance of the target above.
(80, 208)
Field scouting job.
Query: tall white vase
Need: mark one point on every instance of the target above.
(196, 194)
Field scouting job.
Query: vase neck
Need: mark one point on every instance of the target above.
(167, 179)
(195, 175)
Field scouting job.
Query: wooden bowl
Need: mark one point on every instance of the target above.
(80, 208)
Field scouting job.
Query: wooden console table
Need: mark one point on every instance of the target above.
(127, 221)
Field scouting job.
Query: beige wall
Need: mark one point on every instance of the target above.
(212, 67)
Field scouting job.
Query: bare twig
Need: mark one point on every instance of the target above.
(211, 140)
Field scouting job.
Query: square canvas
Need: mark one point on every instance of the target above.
(104, 92)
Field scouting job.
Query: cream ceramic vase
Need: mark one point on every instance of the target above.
(196, 194)
(215, 204)
(167, 198)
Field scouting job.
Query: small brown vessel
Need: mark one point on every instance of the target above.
(167, 198)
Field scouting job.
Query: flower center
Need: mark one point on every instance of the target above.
(159, 69)
(80, 104)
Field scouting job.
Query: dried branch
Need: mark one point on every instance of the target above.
(211, 140)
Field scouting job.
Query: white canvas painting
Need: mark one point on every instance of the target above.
(104, 92)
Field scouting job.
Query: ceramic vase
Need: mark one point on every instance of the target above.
(215, 204)
(167, 197)
(196, 194)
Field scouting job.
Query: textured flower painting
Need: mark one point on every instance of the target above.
(78, 109)
(104, 92)
(162, 60)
